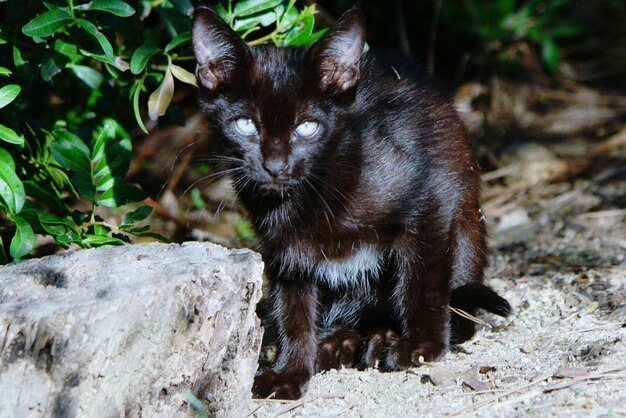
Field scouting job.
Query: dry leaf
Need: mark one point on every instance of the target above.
(471, 379)
(440, 375)
(570, 372)
(160, 99)
(183, 75)
(529, 346)
(591, 308)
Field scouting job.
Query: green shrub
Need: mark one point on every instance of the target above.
(70, 73)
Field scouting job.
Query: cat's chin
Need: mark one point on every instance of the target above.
(275, 188)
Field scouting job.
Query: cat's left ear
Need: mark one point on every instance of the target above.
(336, 55)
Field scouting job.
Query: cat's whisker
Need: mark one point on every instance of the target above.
(344, 202)
(327, 214)
(180, 153)
(217, 159)
(211, 176)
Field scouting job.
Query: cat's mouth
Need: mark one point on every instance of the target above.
(275, 187)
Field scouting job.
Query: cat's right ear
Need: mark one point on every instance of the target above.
(219, 51)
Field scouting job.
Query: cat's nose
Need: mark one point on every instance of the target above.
(275, 167)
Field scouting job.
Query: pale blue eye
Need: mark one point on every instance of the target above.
(245, 126)
(307, 129)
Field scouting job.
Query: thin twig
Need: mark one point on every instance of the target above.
(471, 317)
(608, 374)
(291, 406)
(495, 398)
(561, 334)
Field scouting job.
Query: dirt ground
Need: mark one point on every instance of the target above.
(562, 353)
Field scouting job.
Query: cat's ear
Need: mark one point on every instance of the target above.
(219, 51)
(336, 55)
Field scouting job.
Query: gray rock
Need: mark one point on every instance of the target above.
(122, 331)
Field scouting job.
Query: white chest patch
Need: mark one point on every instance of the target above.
(355, 270)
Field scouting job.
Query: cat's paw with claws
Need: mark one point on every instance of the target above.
(337, 349)
(286, 384)
(404, 352)
(375, 347)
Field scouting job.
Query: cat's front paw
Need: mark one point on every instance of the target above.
(285, 384)
(337, 349)
(404, 352)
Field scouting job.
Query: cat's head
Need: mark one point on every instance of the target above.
(275, 110)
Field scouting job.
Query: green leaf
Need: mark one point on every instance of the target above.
(103, 135)
(46, 23)
(53, 65)
(54, 225)
(60, 179)
(8, 93)
(250, 7)
(138, 86)
(160, 99)
(318, 34)
(197, 199)
(567, 30)
(117, 7)
(18, 60)
(7, 158)
(3, 254)
(101, 230)
(5, 72)
(85, 186)
(99, 240)
(264, 19)
(244, 230)
(45, 195)
(222, 12)
(11, 188)
(24, 240)
(289, 15)
(141, 56)
(121, 195)
(65, 48)
(102, 40)
(106, 181)
(9, 135)
(301, 33)
(139, 229)
(137, 215)
(112, 168)
(71, 152)
(550, 54)
(178, 39)
(65, 240)
(183, 75)
(88, 75)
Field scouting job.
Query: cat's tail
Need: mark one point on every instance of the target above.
(469, 298)
(477, 295)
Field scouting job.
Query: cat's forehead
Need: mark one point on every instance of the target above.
(277, 65)
(277, 83)
(278, 74)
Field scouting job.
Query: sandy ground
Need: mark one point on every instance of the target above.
(561, 353)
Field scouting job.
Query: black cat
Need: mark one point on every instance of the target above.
(364, 193)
